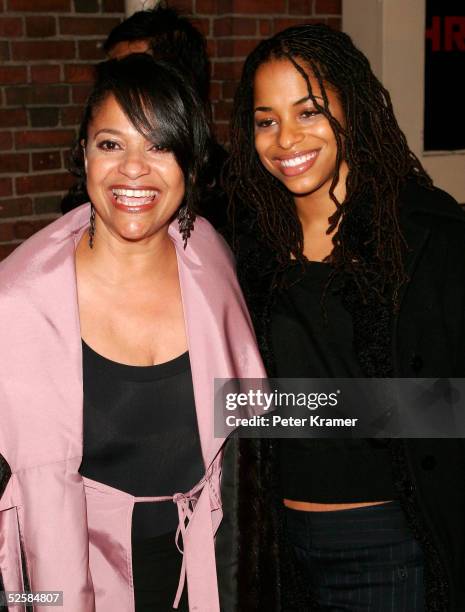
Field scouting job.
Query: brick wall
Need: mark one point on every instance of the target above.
(46, 49)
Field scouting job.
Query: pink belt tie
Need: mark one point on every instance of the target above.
(185, 503)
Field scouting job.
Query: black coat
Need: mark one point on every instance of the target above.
(428, 340)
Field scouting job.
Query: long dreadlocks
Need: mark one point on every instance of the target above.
(368, 244)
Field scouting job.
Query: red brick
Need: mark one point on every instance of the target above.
(335, 23)
(215, 90)
(25, 229)
(10, 27)
(235, 26)
(212, 47)
(15, 207)
(13, 74)
(44, 139)
(87, 26)
(222, 111)
(202, 25)
(41, 183)
(40, 94)
(300, 7)
(6, 249)
(269, 7)
(281, 23)
(13, 117)
(70, 115)
(36, 6)
(328, 7)
(239, 47)
(91, 50)
(265, 27)
(14, 162)
(6, 187)
(86, 6)
(80, 93)
(79, 73)
(40, 27)
(183, 6)
(4, 50)
(45, 74)
(222, 132)
(46, 161)
(6, 141)
(208, 7)
(47, 204)
(229, 89)
(43, 50)
(7, 232)
(43, 117)
(227, 70)
(113, 6)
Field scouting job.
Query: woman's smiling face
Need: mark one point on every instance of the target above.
(294, 141)
(135, 187)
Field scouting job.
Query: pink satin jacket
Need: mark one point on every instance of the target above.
(76, 533)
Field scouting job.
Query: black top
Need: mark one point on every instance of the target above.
(307, 344)
(140, 434)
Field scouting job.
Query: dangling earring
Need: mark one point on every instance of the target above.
(186, 220)
(92, 226)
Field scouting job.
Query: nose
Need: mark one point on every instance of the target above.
(289, 135)
(134, 164)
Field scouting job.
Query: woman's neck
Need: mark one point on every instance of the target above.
(314, 210)
(123, 263)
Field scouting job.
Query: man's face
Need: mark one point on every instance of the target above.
(126, 47)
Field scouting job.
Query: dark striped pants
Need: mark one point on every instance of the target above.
(363, 559)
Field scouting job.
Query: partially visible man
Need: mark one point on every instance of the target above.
(166, 35)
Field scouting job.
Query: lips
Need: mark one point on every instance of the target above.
(132, 200)
(293, 165)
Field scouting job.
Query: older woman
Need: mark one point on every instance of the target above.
(115, 320)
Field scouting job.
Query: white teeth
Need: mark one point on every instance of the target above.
(135, 193)
(298, 161)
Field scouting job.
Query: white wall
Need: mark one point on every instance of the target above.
(392, 35)
(132, 6)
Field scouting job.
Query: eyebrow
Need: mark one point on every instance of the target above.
(108, 131)
(267, 109)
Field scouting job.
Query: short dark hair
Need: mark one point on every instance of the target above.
(161, 106)
(171, 37)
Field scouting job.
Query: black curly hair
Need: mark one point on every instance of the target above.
(368, 243)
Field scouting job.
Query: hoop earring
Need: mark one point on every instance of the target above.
(186, 220)
(92, 226)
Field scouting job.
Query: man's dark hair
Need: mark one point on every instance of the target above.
(162, 106)
(368, 244)
(171, 37)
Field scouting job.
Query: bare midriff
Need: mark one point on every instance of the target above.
(316, 507)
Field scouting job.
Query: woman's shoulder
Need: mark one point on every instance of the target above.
(429, 203)
(204, 236)
(30, 257)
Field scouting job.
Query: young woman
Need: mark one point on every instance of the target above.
(114, 321)
(353, 265)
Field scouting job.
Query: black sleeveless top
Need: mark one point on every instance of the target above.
(141, 436)
(306, 345)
